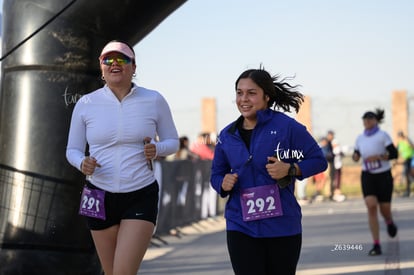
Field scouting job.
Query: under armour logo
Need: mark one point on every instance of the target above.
(273, 132)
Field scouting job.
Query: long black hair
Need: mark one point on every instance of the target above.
(281, 94)
(378, 114)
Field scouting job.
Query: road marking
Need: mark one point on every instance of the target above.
(156, 252)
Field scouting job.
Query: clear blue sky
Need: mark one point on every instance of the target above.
(348, 54)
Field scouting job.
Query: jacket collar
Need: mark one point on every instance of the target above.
(262, 116)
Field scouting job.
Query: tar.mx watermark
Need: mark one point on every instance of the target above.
(72, 98)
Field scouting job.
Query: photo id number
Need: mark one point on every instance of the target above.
(347, 247)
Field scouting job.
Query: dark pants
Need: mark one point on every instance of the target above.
(263, 256)
(331, 168)
(407, 171)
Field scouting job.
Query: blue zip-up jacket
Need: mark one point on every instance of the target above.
(274, 133)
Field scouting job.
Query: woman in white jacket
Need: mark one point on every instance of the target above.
(120, 122)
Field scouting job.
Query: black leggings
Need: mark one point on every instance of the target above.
(263, 256)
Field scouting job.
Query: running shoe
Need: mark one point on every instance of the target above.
(339, 198)
(376, 250)
(392, 230)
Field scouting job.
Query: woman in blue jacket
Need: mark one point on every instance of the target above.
(256, 161)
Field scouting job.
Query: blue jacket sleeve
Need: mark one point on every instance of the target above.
(220, 167)
(314, 160)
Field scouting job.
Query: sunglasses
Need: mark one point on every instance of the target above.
(119, 60)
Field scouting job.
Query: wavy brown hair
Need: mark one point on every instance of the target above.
(281, 94)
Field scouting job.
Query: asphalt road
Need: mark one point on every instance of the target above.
(336, 240)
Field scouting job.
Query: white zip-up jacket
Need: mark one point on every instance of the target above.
(115, 130)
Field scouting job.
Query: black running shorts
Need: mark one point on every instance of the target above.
(141, 204)
(379, 185)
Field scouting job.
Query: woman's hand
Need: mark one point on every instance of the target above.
(150, 150)
(276, 168)
(356, 156)
(88, 165)
(228, 182)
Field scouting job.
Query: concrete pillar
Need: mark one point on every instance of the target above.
(399, 110)
(304, 115)
(208, 115)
